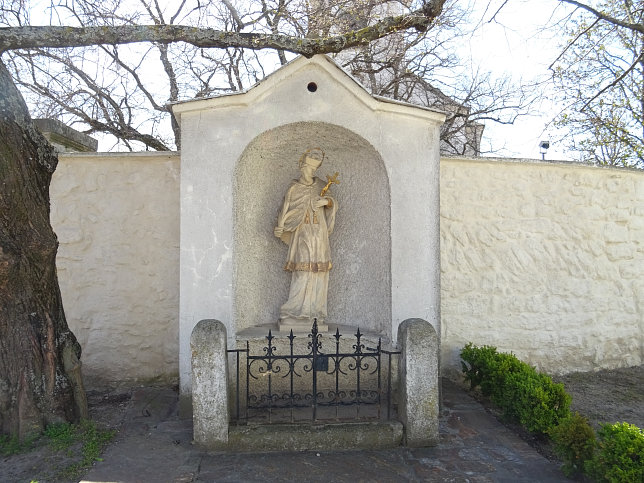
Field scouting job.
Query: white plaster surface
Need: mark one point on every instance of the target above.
(216, 134)
(117, 221)
(544, 260)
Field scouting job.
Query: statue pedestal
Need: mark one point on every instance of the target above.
(299, 326)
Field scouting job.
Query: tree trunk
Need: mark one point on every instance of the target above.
(40, 380)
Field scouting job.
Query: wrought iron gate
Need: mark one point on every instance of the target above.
(316, 386)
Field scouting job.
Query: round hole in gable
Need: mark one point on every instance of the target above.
(312, 87)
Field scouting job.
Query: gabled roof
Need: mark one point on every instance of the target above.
(258, 91)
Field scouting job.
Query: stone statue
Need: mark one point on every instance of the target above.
(304, 224)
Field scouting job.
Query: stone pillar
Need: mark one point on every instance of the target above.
(210, 412)
(419, 388)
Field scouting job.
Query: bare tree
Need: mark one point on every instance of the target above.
(123, 91)
(600, 79)
(39, 357)
(423, 69)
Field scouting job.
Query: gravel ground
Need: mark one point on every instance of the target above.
(608, 396)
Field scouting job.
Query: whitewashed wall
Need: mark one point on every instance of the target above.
(117, 221)
(543, 259)
(318, 100)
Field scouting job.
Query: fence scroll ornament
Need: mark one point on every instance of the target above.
(315, 386)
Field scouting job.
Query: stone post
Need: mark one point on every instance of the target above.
(419, 388)
(210, 411)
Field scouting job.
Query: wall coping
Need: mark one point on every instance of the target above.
(137, 156)
(533, 161)
(148, 155)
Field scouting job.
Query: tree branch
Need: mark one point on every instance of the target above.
(133, 72)
(493, 17)
(235, 14)
(638, 27)
(615, 81)
(572, 42)
(12, 38)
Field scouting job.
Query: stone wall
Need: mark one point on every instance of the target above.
(117, 221)
(545, 260)
(542, 259)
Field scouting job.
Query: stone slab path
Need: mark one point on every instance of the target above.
(154, 445)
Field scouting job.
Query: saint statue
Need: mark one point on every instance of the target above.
(304, 224)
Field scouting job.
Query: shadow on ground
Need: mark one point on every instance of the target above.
(153, 444)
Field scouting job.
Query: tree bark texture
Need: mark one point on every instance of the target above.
(40, 379)
(12, 38)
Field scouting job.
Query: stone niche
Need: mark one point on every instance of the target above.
(360, 281)
(239, 153)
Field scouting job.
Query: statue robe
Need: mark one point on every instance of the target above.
(306, 231)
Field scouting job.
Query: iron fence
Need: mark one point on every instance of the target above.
(284, 386)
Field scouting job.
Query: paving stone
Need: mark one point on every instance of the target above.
(473, 447)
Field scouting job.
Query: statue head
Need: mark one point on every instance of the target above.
(312, 157)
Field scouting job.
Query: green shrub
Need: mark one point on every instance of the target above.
(480, 362)
(523, 394)
(620, 455)
(541, 406)
(503, 367)
(534, 400)
(575, 443)
(488, 368)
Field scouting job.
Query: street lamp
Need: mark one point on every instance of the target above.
(543, 147)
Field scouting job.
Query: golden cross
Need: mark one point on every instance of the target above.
(330, 180)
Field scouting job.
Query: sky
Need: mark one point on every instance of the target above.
(516, 44)
(513, 44)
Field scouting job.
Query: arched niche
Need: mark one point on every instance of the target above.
(360, 281)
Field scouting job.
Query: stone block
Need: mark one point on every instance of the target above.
(65, 138)
(318, 437)
(210, 411)
(620, 251)
(615, 233)
(630, 271)
(419, 388)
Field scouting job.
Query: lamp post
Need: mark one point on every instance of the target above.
(543, 147)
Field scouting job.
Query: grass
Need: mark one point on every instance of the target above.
(60, 436)
(81, 443)
(84, 438)
(10, 445)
